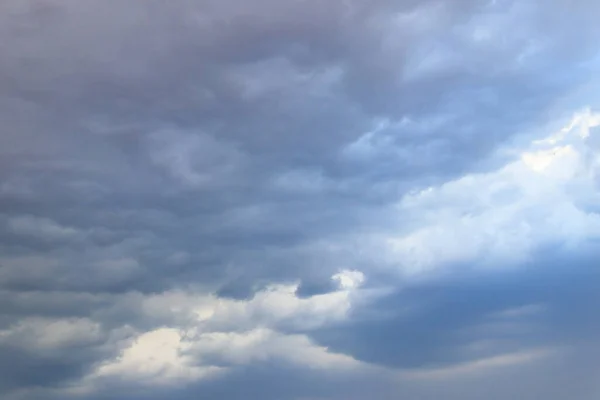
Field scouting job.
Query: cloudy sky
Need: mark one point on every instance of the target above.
(299, 199)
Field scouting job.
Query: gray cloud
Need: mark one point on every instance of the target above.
(549, 303)
(208, 167)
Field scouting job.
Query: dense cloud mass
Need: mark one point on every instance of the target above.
(299, 200)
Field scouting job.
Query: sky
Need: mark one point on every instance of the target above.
(299, 199)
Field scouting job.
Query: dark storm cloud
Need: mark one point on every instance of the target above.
(548, 303)
(224, 146)
(145, 68)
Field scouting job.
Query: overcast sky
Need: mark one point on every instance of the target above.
(299, 199)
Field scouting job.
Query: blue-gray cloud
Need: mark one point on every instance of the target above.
(298, 199)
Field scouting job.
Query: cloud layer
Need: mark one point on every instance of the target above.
(299, 199)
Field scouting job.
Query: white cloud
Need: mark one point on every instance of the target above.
(264, 344)
(172, 356)
(274, 306)
(349, 279)
(498, 218)
(201, 332)
(157, 356)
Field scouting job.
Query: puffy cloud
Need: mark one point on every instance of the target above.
(540, 198)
